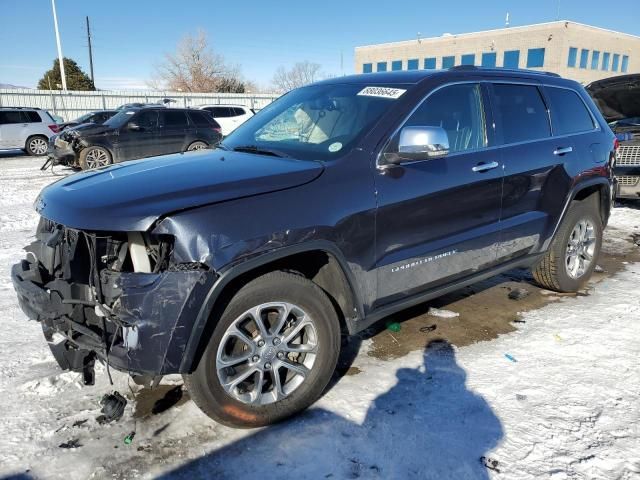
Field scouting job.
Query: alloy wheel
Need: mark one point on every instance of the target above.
(38, 146)
(266, 353)
(97, 157)
(580, 248)
(197, 146)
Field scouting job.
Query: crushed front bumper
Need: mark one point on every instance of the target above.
(60, 152)
(142, 325)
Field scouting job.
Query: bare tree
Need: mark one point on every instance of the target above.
(302, 73)
(195, 67)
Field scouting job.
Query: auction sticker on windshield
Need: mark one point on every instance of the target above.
(384, 92)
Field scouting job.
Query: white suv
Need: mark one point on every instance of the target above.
(229, 116)
(26, 128)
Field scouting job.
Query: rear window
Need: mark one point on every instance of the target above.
(11, 116)
(569, 114)
(203, 119)
(32, 116)
(174, 118)
(522, 112)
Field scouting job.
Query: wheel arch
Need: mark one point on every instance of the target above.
(321, 262)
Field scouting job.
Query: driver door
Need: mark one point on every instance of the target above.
(139, 137)
(438, 219)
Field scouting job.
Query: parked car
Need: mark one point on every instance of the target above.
(135, 133)
(618, 98)
(98, 117)
(229, 117)
(341, 203)
(28, 129)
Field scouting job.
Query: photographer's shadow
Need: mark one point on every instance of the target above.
(428, 426)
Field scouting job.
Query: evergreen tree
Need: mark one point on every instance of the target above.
(76, 78)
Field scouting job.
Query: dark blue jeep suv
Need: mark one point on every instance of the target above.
(338, 204)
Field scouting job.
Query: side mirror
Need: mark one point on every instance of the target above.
(421, 143)
(134, 126)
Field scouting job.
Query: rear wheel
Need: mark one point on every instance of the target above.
(94, 157)
(197, 146)
(573, 254)
(37, 145)
(271, 354)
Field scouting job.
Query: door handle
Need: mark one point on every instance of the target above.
(562, 150)
(483, 167)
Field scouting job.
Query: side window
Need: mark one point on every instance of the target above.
(239, 111)
(147, 119)
(31, 116)
(11, 116)
(174, 119)
(522, 112)
(569, 114)
(201, 119)
(219, 112)
(458, 110)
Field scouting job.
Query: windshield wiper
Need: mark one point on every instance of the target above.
(259, 151)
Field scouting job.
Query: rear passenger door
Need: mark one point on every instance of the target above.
(173, 131)
(438, 220)
(535, 181)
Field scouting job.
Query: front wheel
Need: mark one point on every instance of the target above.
(94, 157)
(271, 355)
(573, 254)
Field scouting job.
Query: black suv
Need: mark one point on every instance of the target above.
(337, 205)
(135, 133)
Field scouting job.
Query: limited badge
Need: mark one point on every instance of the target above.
(384, 92)
(335, 147)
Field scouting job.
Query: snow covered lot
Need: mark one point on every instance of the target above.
(555, 395)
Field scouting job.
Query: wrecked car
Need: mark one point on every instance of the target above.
(134, 133)
(335, 206)
(618, 98)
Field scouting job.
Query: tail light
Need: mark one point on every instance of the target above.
(54, 128)
(217, 130)
(616, 144)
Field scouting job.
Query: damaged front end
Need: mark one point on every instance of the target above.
(117, 297)
(65, 148)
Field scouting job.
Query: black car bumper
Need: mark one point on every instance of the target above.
(146, 327)
(61, 152)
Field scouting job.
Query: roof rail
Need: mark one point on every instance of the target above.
(502, 69)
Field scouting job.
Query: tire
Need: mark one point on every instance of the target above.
(37, 145)
(235, 408)
(197, 145)
(555, 271)
(95, 157)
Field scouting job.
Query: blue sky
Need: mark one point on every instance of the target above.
(131, 36)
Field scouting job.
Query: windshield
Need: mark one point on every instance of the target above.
(318, 122)
(120, 118)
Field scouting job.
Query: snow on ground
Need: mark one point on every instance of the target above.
(564, 403)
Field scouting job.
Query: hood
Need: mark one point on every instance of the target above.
(617, 97)
(130, 196)
(86, 129)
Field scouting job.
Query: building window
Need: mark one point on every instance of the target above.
(412, 64)
(625, 63)
(595, 60)
(605, 61)
(573, 56)
(535, 57)
(396, 65)
(489, 60)
(381, 67)
(468, 59)
(584, 58)
(430, 63)
(367, 68)
(511, 59)
(448, 62)
(615, 63)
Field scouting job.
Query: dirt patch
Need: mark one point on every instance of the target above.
(485, 308)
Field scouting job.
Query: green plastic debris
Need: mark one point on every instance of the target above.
(128, 440)
(393, 326)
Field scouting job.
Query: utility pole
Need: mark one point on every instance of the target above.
(60, 58)
(90, 51)
(558, 15)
